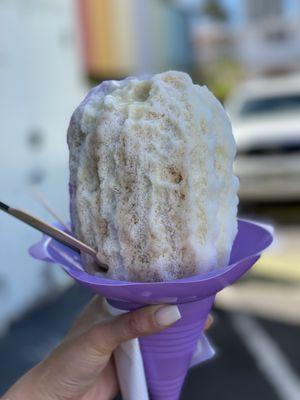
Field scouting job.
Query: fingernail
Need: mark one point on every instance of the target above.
(167, 315)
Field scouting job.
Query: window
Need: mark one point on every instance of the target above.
(270, 104)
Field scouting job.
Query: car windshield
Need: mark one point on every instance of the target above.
(270, 104)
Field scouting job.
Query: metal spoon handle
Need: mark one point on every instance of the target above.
(55, 233)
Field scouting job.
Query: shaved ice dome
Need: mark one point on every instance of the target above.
(151, 180)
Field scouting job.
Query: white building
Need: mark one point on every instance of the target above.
(269, 41)
(261, 9)
(212, 41)
(41, 83)
(265, 41)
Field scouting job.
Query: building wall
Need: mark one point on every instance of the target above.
(133, 36)
(261, 9)
(41, 83)
(270, 46)
(265, 41)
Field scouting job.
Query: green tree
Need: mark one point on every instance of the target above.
(222, 76)
(215, 10)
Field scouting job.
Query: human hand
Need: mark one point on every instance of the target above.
(82, 367)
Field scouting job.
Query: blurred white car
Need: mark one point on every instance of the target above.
(265, 116)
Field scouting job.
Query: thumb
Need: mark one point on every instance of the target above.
(76, 364)
(144, 321)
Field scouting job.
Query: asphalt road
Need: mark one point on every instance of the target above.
(266, 367)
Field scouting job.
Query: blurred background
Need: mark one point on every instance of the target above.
(248, 53)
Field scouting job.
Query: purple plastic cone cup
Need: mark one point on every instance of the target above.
(167, 355)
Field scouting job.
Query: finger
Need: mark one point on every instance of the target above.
(106, 386)
(76, 364)
(148, 320)
(92, 313)
(209, 322)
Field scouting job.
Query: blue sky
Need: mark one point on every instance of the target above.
(235, 7)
